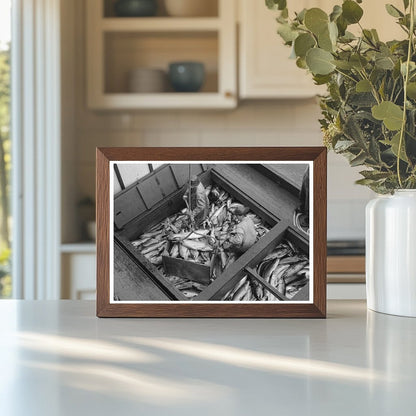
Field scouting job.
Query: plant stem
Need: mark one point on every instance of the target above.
(406, 79)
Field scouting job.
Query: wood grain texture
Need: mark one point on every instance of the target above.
(131, 283)
(317, 309)
(346, 264)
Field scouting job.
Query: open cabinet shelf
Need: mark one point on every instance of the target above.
(160, 24)
(116, 46)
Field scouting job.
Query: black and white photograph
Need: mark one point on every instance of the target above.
(211, 232)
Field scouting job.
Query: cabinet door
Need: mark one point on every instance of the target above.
(265, 68)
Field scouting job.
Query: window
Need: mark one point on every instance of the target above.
(5, 147)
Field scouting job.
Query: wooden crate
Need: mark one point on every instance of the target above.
(273, 203)
(246, 263)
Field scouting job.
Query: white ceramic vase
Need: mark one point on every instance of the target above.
(391, 253)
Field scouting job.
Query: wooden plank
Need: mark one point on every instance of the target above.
(303, 293)
(150, 191)
(299, 239)
(187, 269)
(289, 176)
(127, 206)
(130, 283)
(163, 209)
(346, 264)
(166, 181)
(149, 270)
(266, 197)
(181, 172)
(232, 274)
(265, 284)
(236, 193)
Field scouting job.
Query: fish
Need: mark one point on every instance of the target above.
(190, 293)
(156, 260)
(214, 217)
(293, 278)
(281, 286)
(290, 260)
(184, 251)
(277, 254)
(189, 235)
(205, 256)
(224, 259)
(153, 247)
(248, 295)
(152, 234)
(238, 209)
(150, 241)
(270, 269)
(241, 292)
(196, 245)
(237, 286)
(194, 254)
(184, 285)
(174, 251)
(294, 269)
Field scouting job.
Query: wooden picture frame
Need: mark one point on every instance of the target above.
(113, 235)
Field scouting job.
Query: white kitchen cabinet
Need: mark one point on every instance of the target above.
(118, 45)
(265, 70)
(78, 271)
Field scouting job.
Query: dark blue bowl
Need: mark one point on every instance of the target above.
(135, 8)
(186, 76)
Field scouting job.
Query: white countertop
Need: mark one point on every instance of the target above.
(57, 358)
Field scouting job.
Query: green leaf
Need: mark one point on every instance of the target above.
(384, 62)
(316, 20)
(406, 4)
(342, 25)
(344, 65)
(363, 86)
(301, 63)
(393, 11)
(303, 43)
(375, 35)
(358, 160)
(358, 61)
(321, 79)
(287, 33)
(394, 144)
(319, 61)
(351, 11)
(336, 12)
(325, 42)
(388, 112)
(276, 4)
(374, 175)
(343, 145)
(411, 90)
(301, 15)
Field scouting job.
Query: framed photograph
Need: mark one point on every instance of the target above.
(211, 232)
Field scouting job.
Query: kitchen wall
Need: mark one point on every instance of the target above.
(253, 123)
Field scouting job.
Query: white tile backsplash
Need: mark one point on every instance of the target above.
(257, 123)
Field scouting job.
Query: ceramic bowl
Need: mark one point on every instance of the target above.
(135, 8)
(186, 76)
(147, 80)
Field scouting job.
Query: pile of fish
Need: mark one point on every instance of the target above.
(207, 244)
(285, 268)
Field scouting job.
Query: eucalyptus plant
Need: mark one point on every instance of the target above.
(369, 111)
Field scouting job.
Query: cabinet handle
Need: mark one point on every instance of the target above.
(229, 94)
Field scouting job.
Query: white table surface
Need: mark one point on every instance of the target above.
(57, 358)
